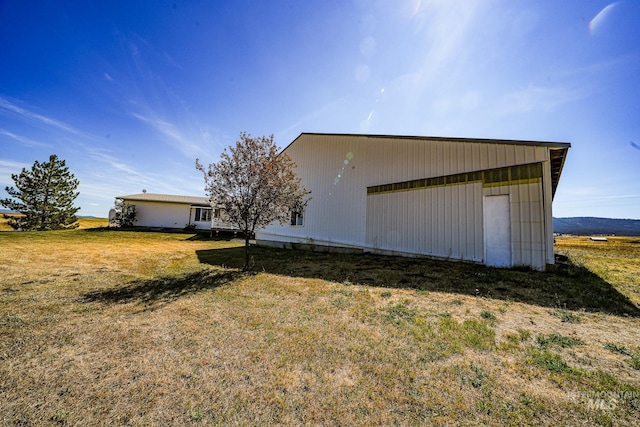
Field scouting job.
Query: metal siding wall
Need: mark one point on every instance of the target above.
(547, 199)
(463, 234)
(446, 235)
(484, 156)
(455, 227)
(439, 221)
(478, 224)
(502, 153)
(474, 154)
(527, 235)
(336, 212)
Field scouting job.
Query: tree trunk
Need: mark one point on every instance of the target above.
(246, 251)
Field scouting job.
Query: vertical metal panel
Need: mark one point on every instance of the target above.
(547, 224)
(457, 226)
(433, 159)
(510, 154)
(463, 226)
(432, 202)
(501, 156)
(425, 230)
(446, 234)
(440, 219)
(475, 156)
(484, 156)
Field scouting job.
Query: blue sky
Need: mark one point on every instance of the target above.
(130, 93)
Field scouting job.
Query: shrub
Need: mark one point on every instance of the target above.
(487, 315)
(566, 316)
(124, 214)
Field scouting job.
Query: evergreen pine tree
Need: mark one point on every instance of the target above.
(44, 196)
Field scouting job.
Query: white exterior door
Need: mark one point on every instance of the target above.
(497, 231)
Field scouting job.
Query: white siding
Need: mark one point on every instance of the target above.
(165, 215)
(441, 221)
(527, 231)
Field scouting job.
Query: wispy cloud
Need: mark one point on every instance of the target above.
(38, 118)
(110, 176)
(537, 98)
(331, 108)
(590, 197)
(447, 26)
(433, 41)
(145, 97)
(23, 139)
(115, 164)
(171, 132)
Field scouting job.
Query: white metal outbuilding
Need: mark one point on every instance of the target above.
(479, 200)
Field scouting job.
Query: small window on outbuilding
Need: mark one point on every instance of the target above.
(296, 218)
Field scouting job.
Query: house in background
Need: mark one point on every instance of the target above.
(170, 211)
(176, 212)
(479, 200)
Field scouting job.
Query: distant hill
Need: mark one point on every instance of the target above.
(587, 226)
(7, 211)
(581, 226)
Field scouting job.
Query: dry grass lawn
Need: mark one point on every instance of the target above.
(108, 327)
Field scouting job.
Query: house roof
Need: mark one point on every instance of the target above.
(558, 150)
(166, 198)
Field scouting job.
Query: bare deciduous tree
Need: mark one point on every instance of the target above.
(255, 184)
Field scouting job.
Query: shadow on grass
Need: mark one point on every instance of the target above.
(157, 292)
(194, 235)
(570, 286)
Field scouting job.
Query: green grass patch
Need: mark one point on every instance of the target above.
(635, 360)
(515, 339)
(566, 316)
(474, 375)
(619, 349)
(399, 313)
(552, 362)
(558, 340)
(447, 337)
(487, 315)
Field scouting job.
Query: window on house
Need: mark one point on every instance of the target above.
(296, 218)
(202, 214)
(216, 213)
